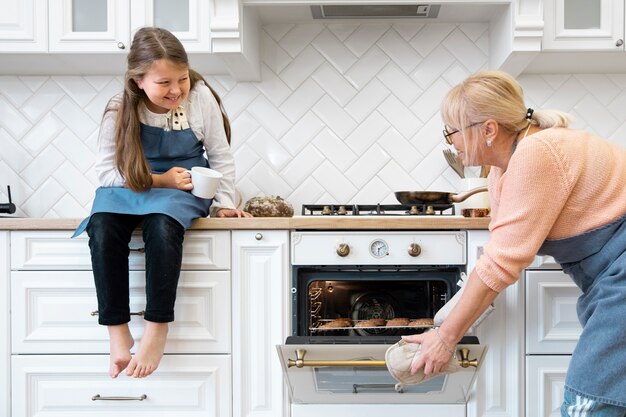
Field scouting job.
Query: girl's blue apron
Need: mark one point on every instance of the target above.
(596, 262)
(163, 150)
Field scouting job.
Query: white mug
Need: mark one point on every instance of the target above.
(204, 181)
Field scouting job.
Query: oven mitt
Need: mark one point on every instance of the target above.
(399, 357)
(443, 312)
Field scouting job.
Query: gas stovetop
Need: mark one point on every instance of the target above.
(378, 209)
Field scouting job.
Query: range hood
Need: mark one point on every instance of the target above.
(369, 11)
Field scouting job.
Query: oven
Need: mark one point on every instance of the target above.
(353, 294)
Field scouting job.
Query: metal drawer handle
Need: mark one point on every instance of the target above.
(132, 313)
(139, 250)
(97, 397)
(299, 362)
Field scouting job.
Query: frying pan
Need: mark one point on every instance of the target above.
(435, 197)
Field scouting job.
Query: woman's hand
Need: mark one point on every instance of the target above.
(225, 212)
(176, 177)
(434, 354)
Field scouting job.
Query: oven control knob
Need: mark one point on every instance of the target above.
(343, 249)
(414, 249)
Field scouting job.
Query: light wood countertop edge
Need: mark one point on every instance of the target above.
(285, 223)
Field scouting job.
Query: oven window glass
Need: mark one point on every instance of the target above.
(366, 380)
(363, 303)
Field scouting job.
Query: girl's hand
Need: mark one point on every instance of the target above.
(434, 355)
(175, 177)
(225, 212)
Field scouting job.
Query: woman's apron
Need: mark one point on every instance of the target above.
(596, 262)
(163, 150)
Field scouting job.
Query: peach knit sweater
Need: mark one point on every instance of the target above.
(559, 183)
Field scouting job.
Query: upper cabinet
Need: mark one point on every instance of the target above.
(24, 26)
(108, 25)
(56, 35)
(89, 25)
(584, 25)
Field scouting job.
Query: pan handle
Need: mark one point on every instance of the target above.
(457, 198)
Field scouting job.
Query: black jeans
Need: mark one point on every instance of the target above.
(109, 236)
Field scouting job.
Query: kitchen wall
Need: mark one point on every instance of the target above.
(345, 112)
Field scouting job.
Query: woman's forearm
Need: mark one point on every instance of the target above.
(476, 297)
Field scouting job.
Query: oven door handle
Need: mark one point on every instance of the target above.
(299, 362)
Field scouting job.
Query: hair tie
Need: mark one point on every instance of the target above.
(529, 113)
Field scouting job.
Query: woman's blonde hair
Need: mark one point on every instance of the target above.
(149, 44)
(494, 95)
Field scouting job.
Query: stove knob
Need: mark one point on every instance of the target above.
(343, 249)
(414, 249)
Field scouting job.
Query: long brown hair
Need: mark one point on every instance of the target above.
(149, 44)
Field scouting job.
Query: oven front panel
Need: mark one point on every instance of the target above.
(346, 384)
(378, 248)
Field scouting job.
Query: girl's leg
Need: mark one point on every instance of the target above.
(109, 235)
(163, 237)
(579, 406)
(120, 343)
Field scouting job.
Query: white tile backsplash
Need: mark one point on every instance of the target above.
(345, 112)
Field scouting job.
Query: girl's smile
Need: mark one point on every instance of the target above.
(166, 85)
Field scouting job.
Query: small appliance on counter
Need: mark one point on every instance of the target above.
(9, 207)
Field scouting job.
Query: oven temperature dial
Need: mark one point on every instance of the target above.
(379, 248)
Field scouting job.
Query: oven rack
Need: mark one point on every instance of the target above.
(382, 327)
(317, 329)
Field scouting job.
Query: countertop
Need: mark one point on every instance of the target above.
(285, 223)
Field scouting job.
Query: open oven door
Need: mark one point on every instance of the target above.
(357, 374)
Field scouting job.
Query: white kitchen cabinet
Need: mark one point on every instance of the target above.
(260, 321)
(54, 250)
(56, 312)
(188, 20)
(498, 383)
(5, 340)
(108, 25)
(24, 26)
(79, 386)
(545, 382)
(552, 331)
(583, 25)
(59, 354)
(552, 325)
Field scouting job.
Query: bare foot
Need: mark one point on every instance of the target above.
(150, 351)
(120, 342)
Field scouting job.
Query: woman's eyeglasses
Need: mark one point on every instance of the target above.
(447, 135)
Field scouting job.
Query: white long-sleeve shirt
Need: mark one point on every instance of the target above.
(205, 119)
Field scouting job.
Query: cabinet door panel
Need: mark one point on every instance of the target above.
(182, 386)
(552, 324)
(260, 321)
(53, 312)
(545, 381)
(5, 325)
(568, 27)
(188, 20)
(46, 250)
(23, 26)
(74, 28)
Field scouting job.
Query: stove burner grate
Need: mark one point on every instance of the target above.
(377, 209)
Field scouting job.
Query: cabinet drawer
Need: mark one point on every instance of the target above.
(45, 250)
(545, 382)
(182, 386)
(52, 313)
(552, 325)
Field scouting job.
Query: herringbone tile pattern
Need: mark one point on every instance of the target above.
(345, 112)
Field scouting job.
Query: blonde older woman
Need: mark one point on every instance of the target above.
(554, 191)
